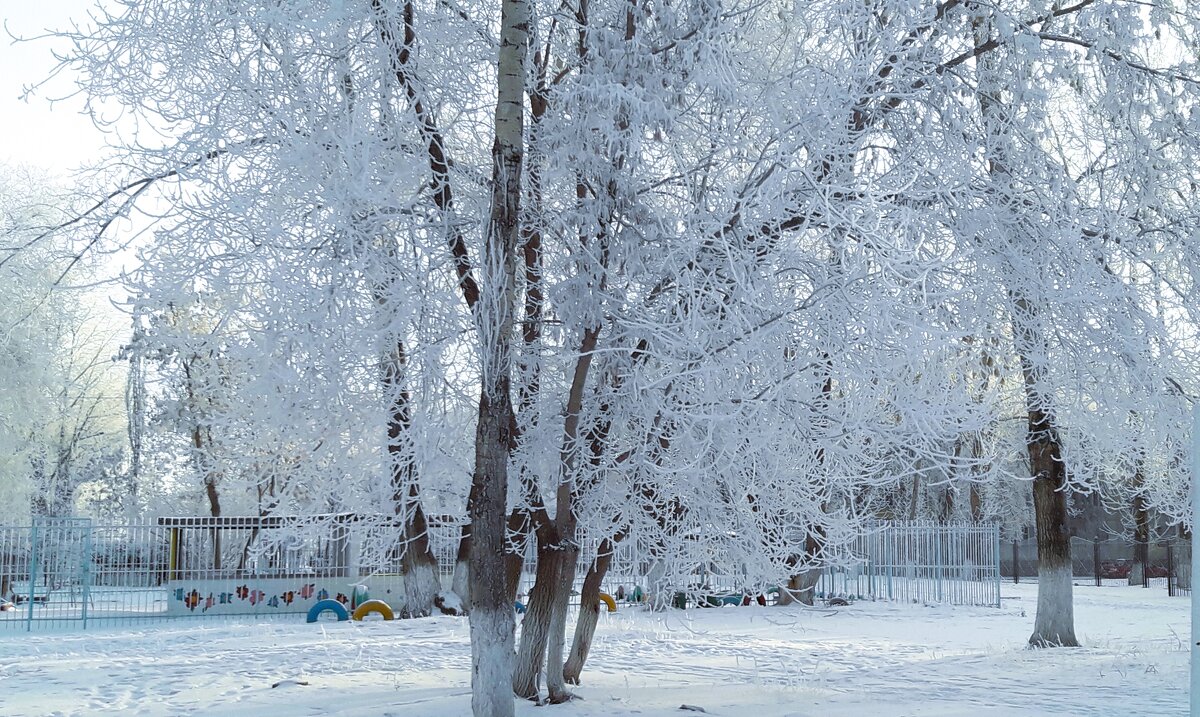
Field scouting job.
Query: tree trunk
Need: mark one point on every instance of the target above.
(461, 582)
(419, 567)
(492, 621)
(589, 612)
(535, 626)
(1055, 622)
(801, 586)
(514, 560)
(214, 506)
(1141, 534)
(556, 683)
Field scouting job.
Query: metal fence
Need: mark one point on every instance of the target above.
(68, 573)
(920, 563)
(1112, 561)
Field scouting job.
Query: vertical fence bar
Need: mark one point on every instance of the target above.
(996, 549)
(33, 570)
(1016, 560)
(889, 549)
(85, 577)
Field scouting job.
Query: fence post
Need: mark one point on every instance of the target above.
(889, 548)
(996, 543)
(1170, 571)
(938, 558)
(1096, 559)
(33, 571)
(85, 569)
(1016, 563)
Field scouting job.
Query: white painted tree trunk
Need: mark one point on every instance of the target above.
(491, 662)
(421, 587)
(1055, 621)
(461, 583)
(492, 619)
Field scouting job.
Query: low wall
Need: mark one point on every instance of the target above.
(252, 596)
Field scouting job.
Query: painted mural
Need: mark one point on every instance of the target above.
(275, 595)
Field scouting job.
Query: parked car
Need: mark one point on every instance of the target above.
(1120, 569)
(1115, 569)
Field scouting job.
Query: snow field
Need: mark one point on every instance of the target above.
(874, 659)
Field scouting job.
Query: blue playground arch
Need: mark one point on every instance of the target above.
(333, 605)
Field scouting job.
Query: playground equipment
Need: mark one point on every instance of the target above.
(333, 606)
(378, 607)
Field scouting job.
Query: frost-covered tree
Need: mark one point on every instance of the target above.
(61, 422)
(721, 280)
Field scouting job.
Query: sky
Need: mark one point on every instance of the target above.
(55, 137)
(48, 131)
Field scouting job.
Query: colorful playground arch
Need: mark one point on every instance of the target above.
(332, 606)
(378, 607)
(607, 600)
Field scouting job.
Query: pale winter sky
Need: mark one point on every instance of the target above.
(54, 137)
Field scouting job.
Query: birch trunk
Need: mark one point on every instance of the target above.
(492, 621)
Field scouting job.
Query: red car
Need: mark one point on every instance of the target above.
(1115, 569)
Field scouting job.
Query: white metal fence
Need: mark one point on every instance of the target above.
(68, 573)
(919, 563)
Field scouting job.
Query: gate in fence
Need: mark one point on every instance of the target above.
(46, 570)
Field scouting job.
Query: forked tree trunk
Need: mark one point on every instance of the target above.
(589, 613)
(801, 587)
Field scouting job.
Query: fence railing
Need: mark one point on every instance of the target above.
(1112, 561)
(921, 563)
(69, 573)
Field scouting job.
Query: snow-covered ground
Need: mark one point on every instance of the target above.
(866, 659)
